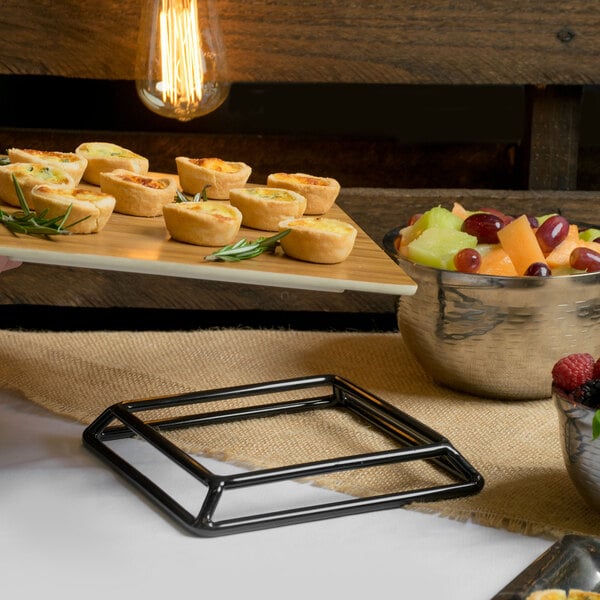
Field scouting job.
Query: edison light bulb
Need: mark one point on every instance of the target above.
(181, 70)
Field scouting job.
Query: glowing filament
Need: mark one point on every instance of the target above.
(181, 69)
(181, 53)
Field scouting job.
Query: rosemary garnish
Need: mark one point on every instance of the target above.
(199, 197)
(28, 222)
(244, 249)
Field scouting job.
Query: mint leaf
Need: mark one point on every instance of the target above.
(596, 425)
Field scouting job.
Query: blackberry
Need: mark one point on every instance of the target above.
(588, 393)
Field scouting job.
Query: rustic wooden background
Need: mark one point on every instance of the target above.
(429, 42)
(386, 96)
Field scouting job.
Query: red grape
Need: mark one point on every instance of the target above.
(414, 218)
(484, 226)
(585, 259)
(552, 232)
(533, 221)
(467, 260)
(538, 269)
(494, 211)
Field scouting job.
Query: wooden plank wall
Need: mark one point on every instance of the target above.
(430, 42)
(545, 49)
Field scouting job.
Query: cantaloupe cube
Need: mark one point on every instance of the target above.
(497, 262)
(401, 244)
(561, 255)
(573, 233)
(518, 240)
(460, 211)
(595, 246)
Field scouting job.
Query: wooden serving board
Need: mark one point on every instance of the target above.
(143, 245)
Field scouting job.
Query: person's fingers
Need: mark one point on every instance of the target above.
(7, 263)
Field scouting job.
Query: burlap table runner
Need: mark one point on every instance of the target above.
(515, 445)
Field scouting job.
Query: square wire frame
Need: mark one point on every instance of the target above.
(415, 441)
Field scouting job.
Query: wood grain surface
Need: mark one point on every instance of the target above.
(433, 41)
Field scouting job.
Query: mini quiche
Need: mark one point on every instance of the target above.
(70, 162)
(320, 192)
(550, 594)
(207, 223)
(220, 175)
(557, 594)
(318, 239)
(138, 195)
(28, 175)
(103, 157)
(93, 206)
(264, 207)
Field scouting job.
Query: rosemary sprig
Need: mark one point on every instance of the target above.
(244, 249)
(199, 197)
(27, 222)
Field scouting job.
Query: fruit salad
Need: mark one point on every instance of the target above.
(489, 242)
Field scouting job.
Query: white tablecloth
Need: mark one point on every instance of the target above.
(71, 528)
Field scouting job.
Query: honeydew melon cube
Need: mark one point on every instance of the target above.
(436, 217)
(589, 235)
(542, 218)
(437, 246)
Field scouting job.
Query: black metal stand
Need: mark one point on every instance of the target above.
(416, 441)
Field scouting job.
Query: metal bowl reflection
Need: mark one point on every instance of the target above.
(492, 336)
(581, 453)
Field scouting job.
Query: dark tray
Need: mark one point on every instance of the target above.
(571, 563)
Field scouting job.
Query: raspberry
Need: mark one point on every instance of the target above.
(596, 372)
(573, 370)
(588, 393)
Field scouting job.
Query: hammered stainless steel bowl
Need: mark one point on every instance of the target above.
(496, 337)
(581, 452)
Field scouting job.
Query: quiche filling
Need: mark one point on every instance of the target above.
(43, 172)
(108, 150)
(216, 164)
(77, 194)
(149, 182)
(222, 213)
(60, 157)
(302, 179)
(331, 225)
(272, 194)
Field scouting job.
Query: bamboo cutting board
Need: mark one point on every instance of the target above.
(143, 245)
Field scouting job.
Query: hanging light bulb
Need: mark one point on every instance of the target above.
(181, 70)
